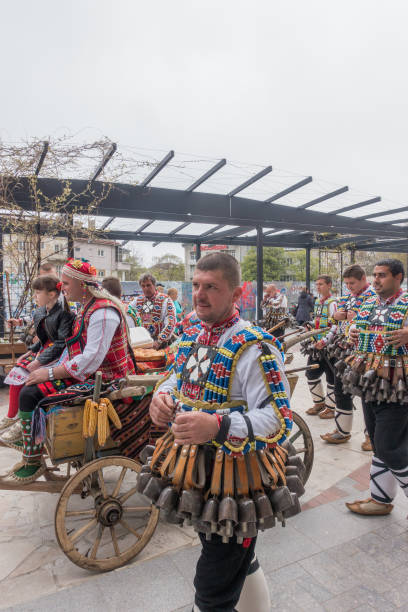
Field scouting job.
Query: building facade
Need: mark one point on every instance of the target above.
(237, 251)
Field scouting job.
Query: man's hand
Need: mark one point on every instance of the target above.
(351, 315)
(397, 338)
(13, 322)
(156, 345)
(34, 365)
(161, 409)
(319, 345)
(39, 376)
(194, 427)
(354, 334)
(340, 315)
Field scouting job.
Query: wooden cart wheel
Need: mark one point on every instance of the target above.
(104, 529)
(302, 440)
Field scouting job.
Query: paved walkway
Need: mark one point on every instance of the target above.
(325, 559)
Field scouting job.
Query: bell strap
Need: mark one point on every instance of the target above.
(282, 452)
(228, 475)
(269, 467)
(265, 477)
(217, 473)
(195, 468)
(241, 479)
(180, 467)
(277, 465)
(161, 445)
(169, 463)
(255, 483)
(279, 456)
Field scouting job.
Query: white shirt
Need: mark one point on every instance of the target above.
(101, 329)
(248, 385)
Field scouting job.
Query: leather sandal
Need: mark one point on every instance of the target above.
(335, 437)
(366, 445)
(327, 413)
(316, 408)
(369, 507)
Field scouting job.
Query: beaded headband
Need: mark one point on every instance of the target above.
(81, 269)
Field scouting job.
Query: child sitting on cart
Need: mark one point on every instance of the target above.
(53, 325)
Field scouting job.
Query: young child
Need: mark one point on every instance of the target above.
(53, 324)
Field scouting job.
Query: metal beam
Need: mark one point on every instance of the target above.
(359, 205)
(106, 158)
(198, 250)
(232, 233)
(42, 157)
(212, 230)
(143, 227)
(157, 169)
(250, 181)
(207, 175)
(337, 241)
(333, 194)
(384, 213)
(177, 229)
(107, 222)
(308, 268)
(124, 243)
(298, 185)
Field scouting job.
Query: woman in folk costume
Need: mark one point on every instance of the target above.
(99, 341)
(53, 325)
(227, 398)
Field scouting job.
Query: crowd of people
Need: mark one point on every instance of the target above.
(226, 397)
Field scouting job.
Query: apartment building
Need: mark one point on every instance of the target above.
(237, 251)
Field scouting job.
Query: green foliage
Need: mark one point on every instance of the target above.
(280, 265)
(136, 267)
(168, 267)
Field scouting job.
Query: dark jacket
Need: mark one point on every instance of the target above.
(304, 308)
(55, 326)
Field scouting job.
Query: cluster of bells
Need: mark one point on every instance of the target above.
(307, 348)
(228, 516)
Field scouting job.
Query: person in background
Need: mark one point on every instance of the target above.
(173, 294)
(156, 311)
(160, 288)
(305, 307)
(113, 285)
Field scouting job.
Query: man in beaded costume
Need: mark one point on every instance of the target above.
(379, 371)
(337, 345)
(227, 391)
(156, 311)
(99, 342)
(324, 309)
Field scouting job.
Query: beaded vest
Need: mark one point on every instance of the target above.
(354, 303)
(321, 316)
(150, 312)
(118, 361)
(205, 374)
(374, 320)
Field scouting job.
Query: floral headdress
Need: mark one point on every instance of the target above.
(80, 269)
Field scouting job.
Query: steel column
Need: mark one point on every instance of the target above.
(308, 268)
(70, 237)
(2, 313)
(198, 250)
(259, 271)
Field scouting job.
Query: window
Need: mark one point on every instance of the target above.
(193, 255)
(21, 245)
(101, 253)
(192, 268)
(56, 248)
(77, 249)
(232, 253)
(118, 253)
(101, 273)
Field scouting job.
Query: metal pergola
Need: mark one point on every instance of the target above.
(235, 219)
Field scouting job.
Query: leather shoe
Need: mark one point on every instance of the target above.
(327, 413)
(366, 445)
(316, 408)
(335, 437)
(369, 507)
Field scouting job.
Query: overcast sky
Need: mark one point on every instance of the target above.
(311, 86)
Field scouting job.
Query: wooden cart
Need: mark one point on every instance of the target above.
(101, 521)
(9, 354)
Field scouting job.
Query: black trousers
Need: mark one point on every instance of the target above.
(344, 401)
(325, 367)
(387, 426)
(220, 573)
(29, 398)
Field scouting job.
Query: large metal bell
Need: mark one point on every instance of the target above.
(354, 378)
(401, 389)
(250, 532)
(145, 469)
(291, 470)
(294, 508)
(264, 509)
(340, 366)
(295, 485)
(246, 514)
(227, 517)
(142, 480)
(297, 461)
(288, 446)
(146, 452)
(167, 499)
(190, 504)
(153, 488)
(173, 518)
(209, 514)
(280, 499)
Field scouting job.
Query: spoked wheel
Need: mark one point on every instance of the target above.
(110, 522)
(302, 440)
